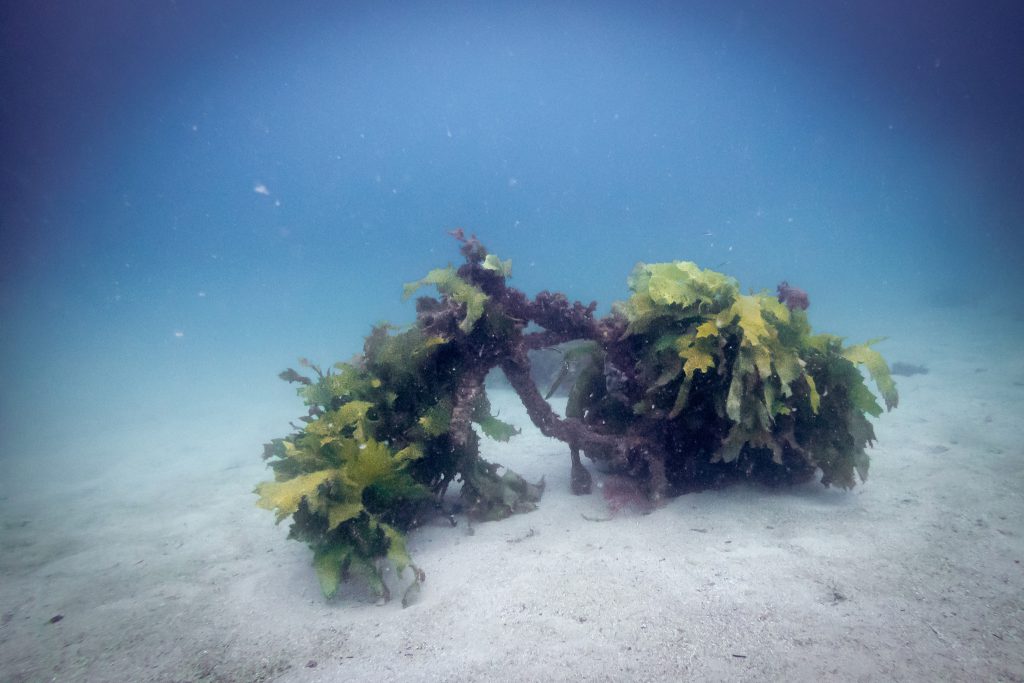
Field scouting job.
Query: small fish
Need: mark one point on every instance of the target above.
(260, 188)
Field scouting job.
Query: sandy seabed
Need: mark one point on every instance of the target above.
(148, 546)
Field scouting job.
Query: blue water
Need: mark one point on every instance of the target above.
(196, 195)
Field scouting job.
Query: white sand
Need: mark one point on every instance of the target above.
(164, 570)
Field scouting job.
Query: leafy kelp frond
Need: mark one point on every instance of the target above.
(490, 425)
(813, 396)
(285, 496)
(369, 462)
(347, 381)
(449, 284)
(494, 428)
(327, 561)
(339, 513)
(589, 386)
(356, 547)
(746, 311)
(397, 360)
(295, 456)
(863, 354)
(787, 365)
(684, 284)
(575, 356)
(437, 418)
(674, 290)
(502, 268)
(363, 550)
(351, 419)
(491, 497)
(697, 354)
